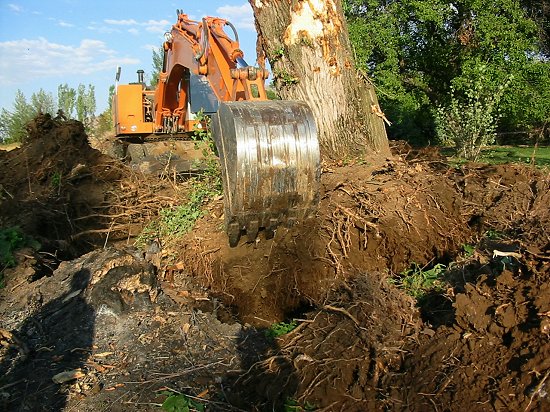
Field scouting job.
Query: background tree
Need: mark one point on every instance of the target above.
(104, 126)
(12, 123)
(85, 105)
(66, 100)
(80, 102)
(43, 102)
(417, 51)
(158, 59)
(308, 48)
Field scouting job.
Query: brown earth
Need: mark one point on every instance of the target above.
(190, 316)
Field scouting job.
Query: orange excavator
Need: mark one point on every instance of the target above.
(268, 149)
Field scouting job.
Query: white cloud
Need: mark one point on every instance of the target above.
(157, 26)
(133, 31)
(101, 28)
(39, 58)
(152, 26)
(130, 22)
(15, 7)
(64, 24)
(241, 16)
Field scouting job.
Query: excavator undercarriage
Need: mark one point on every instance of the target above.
(268, 149)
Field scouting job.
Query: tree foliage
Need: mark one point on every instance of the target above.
(418, 51)
(469, 120)
(13, 123)
(66, 100)
(85, 105)
(158, 60)
(72, 102)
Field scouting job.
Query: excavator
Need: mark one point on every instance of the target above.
(268, 149)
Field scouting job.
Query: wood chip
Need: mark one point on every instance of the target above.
(67, 376)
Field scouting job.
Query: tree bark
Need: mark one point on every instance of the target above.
(307, 45)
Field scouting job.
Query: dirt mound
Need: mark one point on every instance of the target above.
(337, 356)
(70, 197)
(496, 354)
(54, 179)
(378, 219)
(361, 343)
(372, 218)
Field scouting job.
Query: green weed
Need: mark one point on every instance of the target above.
(178, 402)
(176, 221)
(285, 78)
(468, 250)
(418, 282)
(281, 328)
(278, 53)
(492, 234)
(11, 239)
(292, 405)
(56, 180)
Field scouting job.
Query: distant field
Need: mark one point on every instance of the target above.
(516, 154)
(507, 154)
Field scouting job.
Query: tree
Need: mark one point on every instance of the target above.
(158, 62)
(66, 100)
(416, 51)
(308, 48)
(85, 105)
(43, 102)
(539, 12)
(80, 102)
(12, 124)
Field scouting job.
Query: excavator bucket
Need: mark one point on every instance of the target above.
(269, 155)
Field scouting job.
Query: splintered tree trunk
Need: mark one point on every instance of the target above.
(307, 45)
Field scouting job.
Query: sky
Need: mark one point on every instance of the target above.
(47, 43)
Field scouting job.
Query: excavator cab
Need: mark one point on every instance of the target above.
(268, 149)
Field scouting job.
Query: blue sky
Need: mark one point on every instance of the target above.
(47, 43)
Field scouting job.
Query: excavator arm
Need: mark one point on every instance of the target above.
(203, 49)
(269, 152)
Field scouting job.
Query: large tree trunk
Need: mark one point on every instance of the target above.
(307, 44)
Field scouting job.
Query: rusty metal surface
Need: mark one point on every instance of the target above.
(270, 161)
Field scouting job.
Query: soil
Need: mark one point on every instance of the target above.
(89, 322)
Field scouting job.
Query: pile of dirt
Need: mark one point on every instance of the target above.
(376, 220)
(70, 197)
(191, 317)
(372, 218)
(54, 178)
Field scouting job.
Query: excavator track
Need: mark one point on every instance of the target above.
(270, 161)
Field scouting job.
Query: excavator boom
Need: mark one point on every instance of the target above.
(268, 150)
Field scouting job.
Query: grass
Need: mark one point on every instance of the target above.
(291, 405)
(281, 328)
(506, 154)
(419, 281)
(516, 154)
(11, 239)
(176, 221)
(179, 402)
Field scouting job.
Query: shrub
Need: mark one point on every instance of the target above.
(470, 119)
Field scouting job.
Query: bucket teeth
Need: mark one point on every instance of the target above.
(234, 234)
(252, 230)
(270, 229)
